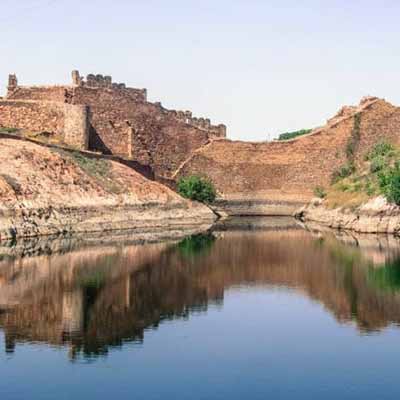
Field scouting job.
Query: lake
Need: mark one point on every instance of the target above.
(254, 308)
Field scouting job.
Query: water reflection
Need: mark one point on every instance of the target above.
(94, 298)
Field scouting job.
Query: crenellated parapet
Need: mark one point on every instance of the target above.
(100, 81)
(200, 123)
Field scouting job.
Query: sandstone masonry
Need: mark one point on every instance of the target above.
(277, 177)
(100, 115)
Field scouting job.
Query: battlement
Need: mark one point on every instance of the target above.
(77, 93)
(217, 131)
(100, 81)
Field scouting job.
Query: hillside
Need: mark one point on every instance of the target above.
(49, 191)
(363, 197)
(276, 177)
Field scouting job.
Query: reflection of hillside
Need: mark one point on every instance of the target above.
(96, 298)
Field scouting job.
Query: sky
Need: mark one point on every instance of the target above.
(261, 67)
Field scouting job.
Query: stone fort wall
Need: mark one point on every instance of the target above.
(68, 122)
(290, 170)
(120, 120)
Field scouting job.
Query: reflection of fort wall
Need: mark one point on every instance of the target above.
(113, 294)
(19, 277)
(310, 266)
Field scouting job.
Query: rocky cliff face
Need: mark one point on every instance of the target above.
(375, 216)
(44, 191)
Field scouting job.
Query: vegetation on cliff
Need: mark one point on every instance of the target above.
(378, 174)
(8, 130)
(349, 167)
(195, 187)
(292, 135)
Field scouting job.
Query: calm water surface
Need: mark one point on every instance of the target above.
(255, 309)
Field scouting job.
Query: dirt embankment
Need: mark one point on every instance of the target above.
(44, 191)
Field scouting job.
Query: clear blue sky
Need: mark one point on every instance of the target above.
(262, 67)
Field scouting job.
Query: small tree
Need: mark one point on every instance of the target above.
(389, 182)
(197, 188)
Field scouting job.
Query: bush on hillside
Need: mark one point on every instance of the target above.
(389, 183)
(197, 188)
(343, 172)
(381, 149)
(377, 164)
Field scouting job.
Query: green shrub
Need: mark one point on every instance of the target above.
(389, 183)
(319, 192)
(292, 135)
(369, 188)
(378, 163)
(381, 149)
(197, 188)
(343, 172)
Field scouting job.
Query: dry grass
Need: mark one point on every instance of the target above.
(351, 200)
(8, 130)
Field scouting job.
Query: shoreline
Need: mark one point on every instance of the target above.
(52, 221)
(375, 217)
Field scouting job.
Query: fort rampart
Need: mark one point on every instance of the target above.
(66, 121)
(119, 120)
